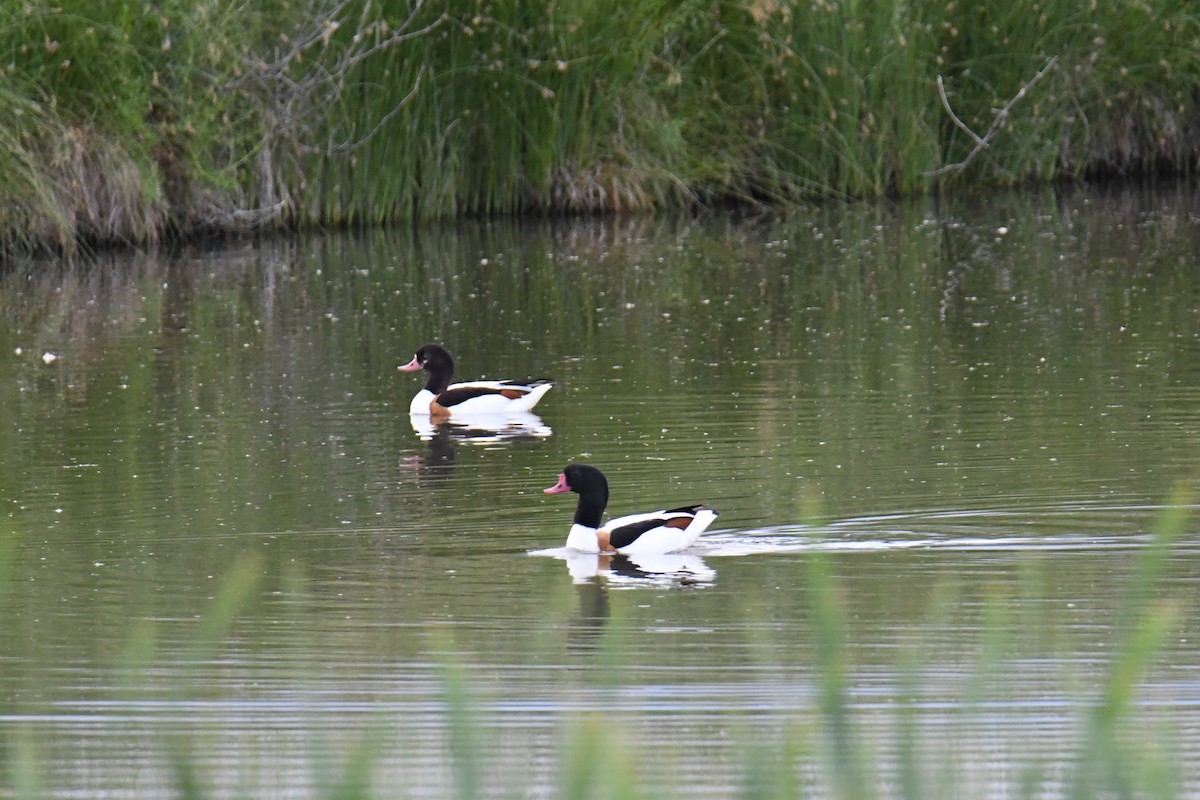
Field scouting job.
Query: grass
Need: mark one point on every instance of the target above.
(1107, 765)
(120, 126)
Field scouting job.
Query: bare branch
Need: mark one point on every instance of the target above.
(946, 104)
(1001, 116)
(336, 149)
(295, 104)
(402, 34)
(294, 88)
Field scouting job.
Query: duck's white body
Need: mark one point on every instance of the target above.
(657, 540)
(491, 402)
(440, 398)
(652, 533)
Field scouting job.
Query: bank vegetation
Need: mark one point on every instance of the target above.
(132, 122)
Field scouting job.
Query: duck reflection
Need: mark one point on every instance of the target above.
(483, 429)
(597, 574)
(444, 436)
(438, 460)
(628, 571)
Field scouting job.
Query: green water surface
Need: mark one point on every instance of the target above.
(230, 566)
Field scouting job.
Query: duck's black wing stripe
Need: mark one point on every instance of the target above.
(452, 397)
(527, 384)
(628, 534)
(686, 509)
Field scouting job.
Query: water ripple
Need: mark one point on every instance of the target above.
(1055, 528)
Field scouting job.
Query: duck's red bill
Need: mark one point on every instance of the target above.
(559, 487)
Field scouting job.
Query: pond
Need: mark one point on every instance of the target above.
(953, 444)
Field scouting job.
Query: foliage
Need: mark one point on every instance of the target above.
(123, 125)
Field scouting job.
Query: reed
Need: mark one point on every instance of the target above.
(22, 768)
(466, 734)
(828, 759)
(19, 760)
(849, 781)
(1107, 763)
(122, 126)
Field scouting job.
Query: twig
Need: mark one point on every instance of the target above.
(294, 89)
(1001, 117)
(336, 149)
(294, 104)
(946, 105)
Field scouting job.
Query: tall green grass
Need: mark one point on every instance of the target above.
(121, 124)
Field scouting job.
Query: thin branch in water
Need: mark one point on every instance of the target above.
(1001, 117)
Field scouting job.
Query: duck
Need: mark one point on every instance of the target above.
(442, 399)
(653, 533)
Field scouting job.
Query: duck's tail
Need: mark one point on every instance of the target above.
(704, 517)
(528, 401)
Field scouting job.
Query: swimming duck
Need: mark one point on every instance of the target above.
(652, 533)
(440, 398)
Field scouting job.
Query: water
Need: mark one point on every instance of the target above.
(230, 566)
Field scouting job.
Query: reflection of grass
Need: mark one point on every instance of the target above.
(829, 757)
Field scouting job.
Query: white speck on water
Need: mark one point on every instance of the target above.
(49, 358)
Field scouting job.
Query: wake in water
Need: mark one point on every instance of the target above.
(1051, 528)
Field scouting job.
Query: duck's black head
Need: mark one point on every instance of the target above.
(437, 361)
(591, 486)
(434, 357)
